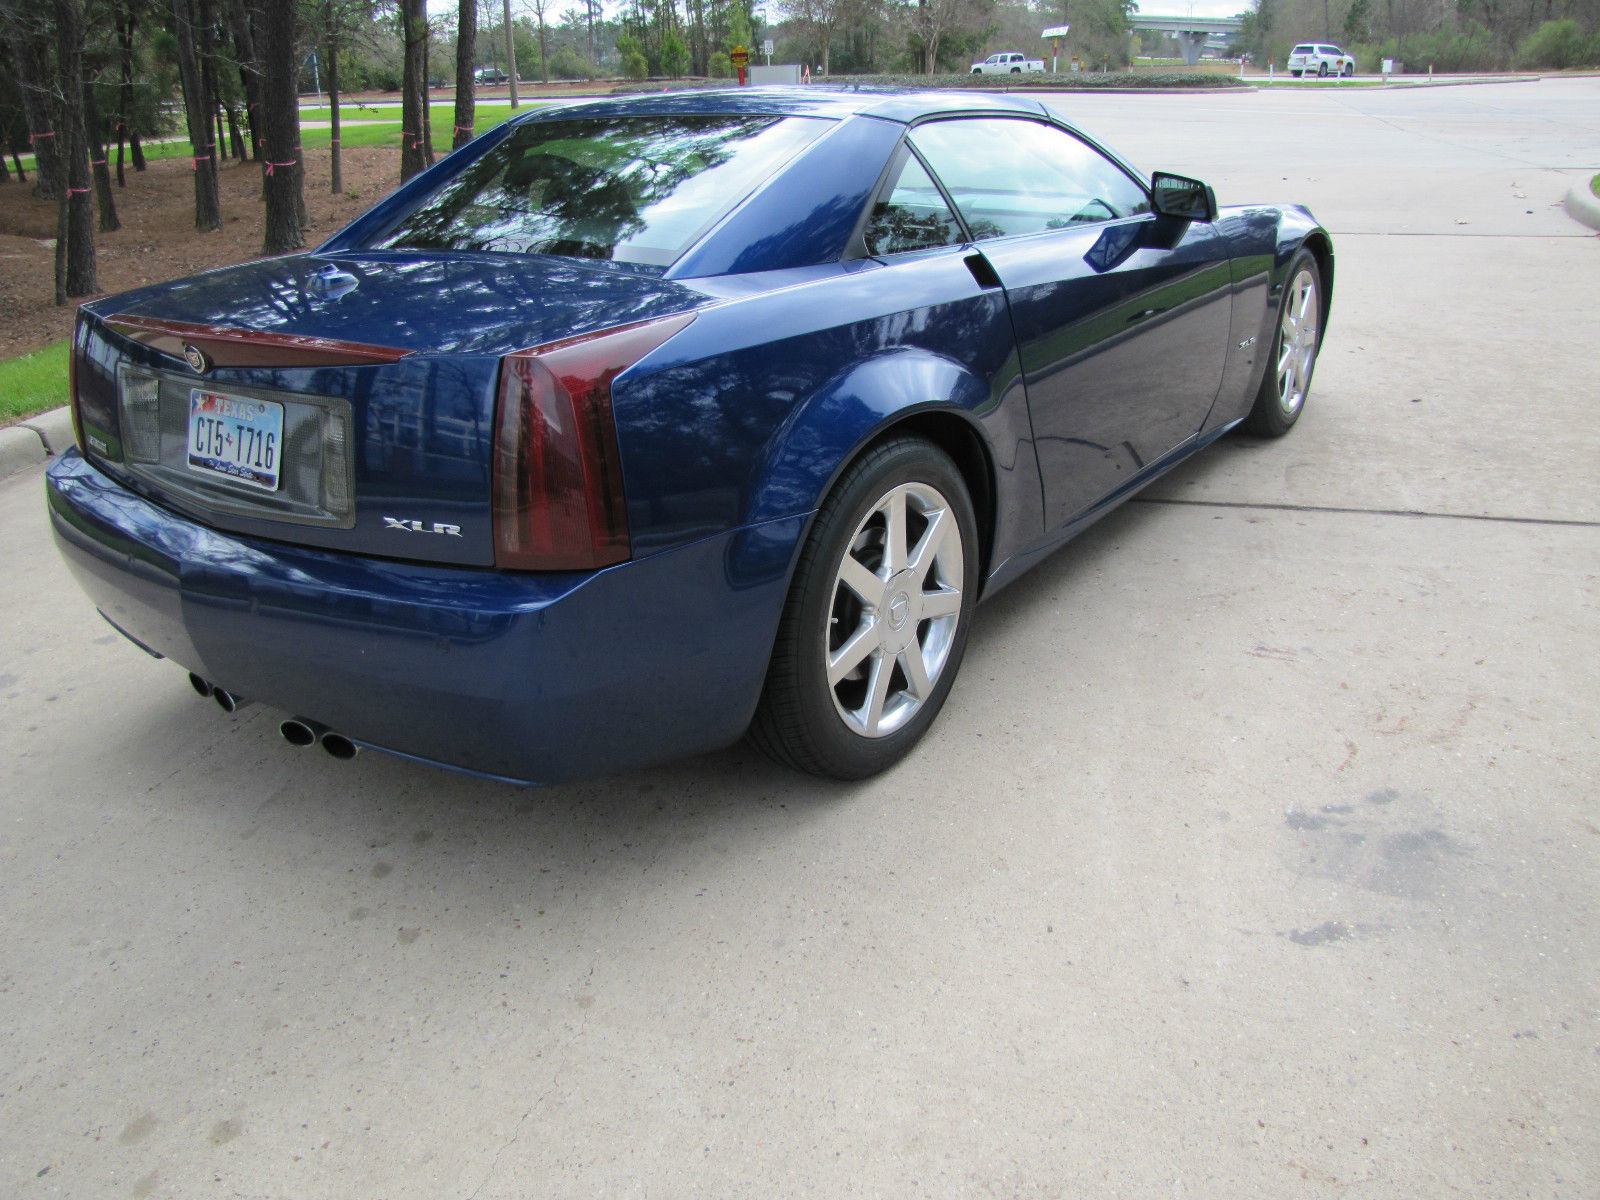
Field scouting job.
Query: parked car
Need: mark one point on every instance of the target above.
(490, 75)
(637, 424)
(1007, 62)
(1316, 58)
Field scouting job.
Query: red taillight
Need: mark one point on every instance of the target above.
(80, 335)
(558, 501)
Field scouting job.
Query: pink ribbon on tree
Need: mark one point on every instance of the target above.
(270, 165)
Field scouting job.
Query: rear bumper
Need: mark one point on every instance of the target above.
(537, 678)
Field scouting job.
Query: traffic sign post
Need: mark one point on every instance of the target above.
(1055, 33)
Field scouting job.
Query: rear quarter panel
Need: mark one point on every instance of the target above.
(752, 411)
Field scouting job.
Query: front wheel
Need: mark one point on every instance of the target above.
(1350, 70)
(875, 625)
(1294, 352)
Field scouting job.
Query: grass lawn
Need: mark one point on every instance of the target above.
(1594, 185)
(33, 383)
(386, 132)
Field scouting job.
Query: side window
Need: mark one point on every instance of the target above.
(913, 216)
(1010, 176)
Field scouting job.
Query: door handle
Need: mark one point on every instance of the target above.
(982, 271)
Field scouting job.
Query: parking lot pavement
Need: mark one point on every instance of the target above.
(1255, 854)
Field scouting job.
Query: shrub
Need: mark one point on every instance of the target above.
(1556, 45)
(720, 66)
(634, 65)
(567, 63)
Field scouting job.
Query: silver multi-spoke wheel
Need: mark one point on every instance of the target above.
(896, 607)
(1287, 379)
(1297, 342)
(875, 623)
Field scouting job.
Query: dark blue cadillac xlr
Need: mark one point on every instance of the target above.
(636, 425)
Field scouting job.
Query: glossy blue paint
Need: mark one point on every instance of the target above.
(531, 677)
(805, 214)
(751, 412)
(1110, 353)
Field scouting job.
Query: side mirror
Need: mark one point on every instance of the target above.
(1180, 196)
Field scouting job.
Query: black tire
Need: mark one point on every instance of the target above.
(975, 71)
(1296, 74)
(1016, 70)
(1287, 380)
(808, 723)
(1350, 70)
(1322, 70)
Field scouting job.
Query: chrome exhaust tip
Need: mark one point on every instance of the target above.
(200, 686)
(300, 731)
(340, 747)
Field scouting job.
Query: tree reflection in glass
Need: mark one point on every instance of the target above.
(629, 189)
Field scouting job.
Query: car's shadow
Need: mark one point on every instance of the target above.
(467, 836)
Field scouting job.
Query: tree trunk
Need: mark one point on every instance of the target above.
(511, 54)
(280, 119)
(125, 87)
(197, 107)
(244, 46)
(105, 201)
(427, 98)
(235, 135)
(331, 49)
(77, 208)
(205, 47)
(34, 75)
(413, 31)
(466, 56)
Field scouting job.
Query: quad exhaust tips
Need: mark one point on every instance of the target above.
(301, 731)
(297, 731)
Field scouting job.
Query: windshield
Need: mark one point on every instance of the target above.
(632, 189)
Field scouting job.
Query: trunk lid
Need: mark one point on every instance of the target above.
(359, 389)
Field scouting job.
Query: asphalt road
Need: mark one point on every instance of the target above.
(1255, 855)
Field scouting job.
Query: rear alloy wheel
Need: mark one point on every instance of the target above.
(876, 621)
(1294, 352)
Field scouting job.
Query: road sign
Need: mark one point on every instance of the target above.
(1056, 31)
(740, 56)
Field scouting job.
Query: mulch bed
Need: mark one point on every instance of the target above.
(158, 239)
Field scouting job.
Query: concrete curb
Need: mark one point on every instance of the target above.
(35, 440)
(1583, 205)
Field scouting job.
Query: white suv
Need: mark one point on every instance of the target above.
(1314, 58)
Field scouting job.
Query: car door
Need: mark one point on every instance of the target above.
(1121, 316)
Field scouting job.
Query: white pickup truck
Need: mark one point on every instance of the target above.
(1007, 62)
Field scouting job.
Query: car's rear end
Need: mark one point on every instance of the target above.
(1303, 59)
(381, 487)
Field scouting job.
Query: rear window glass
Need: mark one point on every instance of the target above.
(1304, 50)
(633, 189)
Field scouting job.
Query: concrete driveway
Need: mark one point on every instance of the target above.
(1255, 854)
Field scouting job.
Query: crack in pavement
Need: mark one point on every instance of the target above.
(1369, 512)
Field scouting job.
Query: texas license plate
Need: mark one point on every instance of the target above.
(236, 438)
